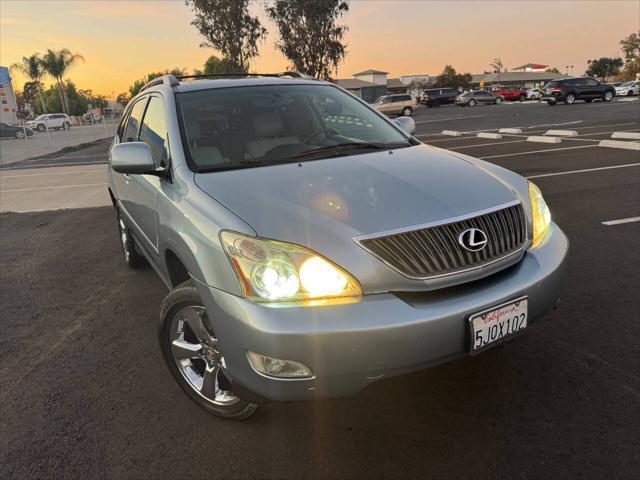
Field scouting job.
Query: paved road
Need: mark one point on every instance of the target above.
(84, 392)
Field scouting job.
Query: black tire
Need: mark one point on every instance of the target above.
(472, 103)
(19, 134)
(589, 100)
(551, 102)
(132, 257)
(608, 96)
(630, 93)
(498, 101)
(407, 111)
(523, 97)
(570, 99)
(183, 296)
(41, 127)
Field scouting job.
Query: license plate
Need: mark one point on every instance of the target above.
(490, 327)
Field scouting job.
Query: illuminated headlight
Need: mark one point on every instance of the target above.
(273, 271)
(541, 214)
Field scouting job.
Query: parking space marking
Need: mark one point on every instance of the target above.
(584, 170)
(536, 151)
(45, 165)
(448, 119)
(52, 188)
(48, 174)
(620, 221)
(486, 144)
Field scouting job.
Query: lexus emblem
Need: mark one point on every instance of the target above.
(473, 239)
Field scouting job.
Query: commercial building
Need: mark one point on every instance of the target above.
(8, 105)
(371, 84)
(514, 79)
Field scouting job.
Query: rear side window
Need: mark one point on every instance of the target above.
(133, 122)
(154, 131)
(552, 84)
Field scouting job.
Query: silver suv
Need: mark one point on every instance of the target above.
(312, 246)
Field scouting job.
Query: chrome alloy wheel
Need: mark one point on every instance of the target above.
(196, 353)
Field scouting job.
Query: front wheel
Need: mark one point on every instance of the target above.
(472, 103)
(630, 93)
(523, 98)
(407, 111)
(498, 101)
(194, 357)
(19, 134)
(608, 96)
(41, 128)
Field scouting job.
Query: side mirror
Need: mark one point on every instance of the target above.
(133, 158)
(407, 124)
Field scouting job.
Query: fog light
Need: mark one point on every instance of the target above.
(275, 367)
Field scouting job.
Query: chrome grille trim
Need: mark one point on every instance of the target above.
(431, 250)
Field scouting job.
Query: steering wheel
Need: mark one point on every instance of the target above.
(318, 132)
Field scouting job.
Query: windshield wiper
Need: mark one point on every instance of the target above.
(343, 147)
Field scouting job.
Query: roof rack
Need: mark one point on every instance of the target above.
(172, 80)
(167, 79)
(245, 75)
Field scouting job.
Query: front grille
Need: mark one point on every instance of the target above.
(435, 251)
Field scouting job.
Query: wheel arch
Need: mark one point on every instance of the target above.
(176, 271)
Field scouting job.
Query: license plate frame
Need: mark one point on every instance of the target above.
(520, 305)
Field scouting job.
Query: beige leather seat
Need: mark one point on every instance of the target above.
(202, 155)
(267, 128)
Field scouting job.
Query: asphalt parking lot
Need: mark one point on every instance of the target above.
(84, 391)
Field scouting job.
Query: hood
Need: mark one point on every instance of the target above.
(355, 195)
(323, 204)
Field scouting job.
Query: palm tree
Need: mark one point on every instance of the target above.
(56, 63)
(33, 68)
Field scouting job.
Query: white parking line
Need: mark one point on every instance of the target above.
(435, 120)
(622, 220)
(597, 169)
(536, 151)
(48, 174)
(52, 188)
(486, 144)
(44, 165)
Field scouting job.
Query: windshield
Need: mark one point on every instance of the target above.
(628, 84)
(244, 127)
(40, 117)
(379, 100)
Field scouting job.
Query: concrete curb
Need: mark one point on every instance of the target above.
(513, 131)
(494, 136)
(618, 144)
(451, 133)
(626, 135)
(539, 139)
(562, 133)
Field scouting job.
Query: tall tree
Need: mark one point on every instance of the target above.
(227, 26)
(604, 67)
(309, 35)
(631, 50)
(32, 94)
(33, 68)
(57, 63)
(552, 70)
(215, 65)
(450, 78)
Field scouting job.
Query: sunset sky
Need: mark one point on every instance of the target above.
(122, 41)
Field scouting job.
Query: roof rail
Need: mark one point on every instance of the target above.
(245, 75)
(167, 79)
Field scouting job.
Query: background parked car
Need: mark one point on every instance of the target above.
(571, 89)
(511, 93)
(628, 88)
(434, 97)
(534, 93)
(399, 104)
(478, 97)
(54, 121)
(15, 131)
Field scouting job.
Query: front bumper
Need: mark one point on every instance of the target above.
(348, 346)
